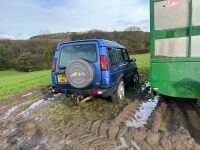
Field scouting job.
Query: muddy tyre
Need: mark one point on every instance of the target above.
(136, 78)
(80, 73)
(118, 94)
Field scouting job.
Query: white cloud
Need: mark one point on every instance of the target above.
(4, 36)
(23, 18)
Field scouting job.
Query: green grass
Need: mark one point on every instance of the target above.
(12, 82)
(143, 63)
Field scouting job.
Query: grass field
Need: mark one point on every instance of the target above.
(143, 63)
(12, 82)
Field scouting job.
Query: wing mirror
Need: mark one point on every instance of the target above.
(132, 60)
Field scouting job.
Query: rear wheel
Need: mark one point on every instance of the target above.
(118, 94)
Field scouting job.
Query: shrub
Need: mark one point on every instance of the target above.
(4, 63)
(38, 62)
(4, 59)
(24, 62)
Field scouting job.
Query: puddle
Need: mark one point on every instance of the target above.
(14, 108)
(33, 106)
(28, 94)
(55, 97)
(38, 103)
(143, 114)
(52, 98)
(10, 111)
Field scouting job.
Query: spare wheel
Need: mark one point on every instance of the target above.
(80, 73)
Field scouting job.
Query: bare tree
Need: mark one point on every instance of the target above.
(133, 29)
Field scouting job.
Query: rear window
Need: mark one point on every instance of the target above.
(69, 53)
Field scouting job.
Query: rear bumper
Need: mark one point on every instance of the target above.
(105, 91)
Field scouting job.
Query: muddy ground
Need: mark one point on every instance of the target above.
(35, 120)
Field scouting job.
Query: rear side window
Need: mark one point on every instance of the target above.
(69, 53)
(125, 55)
(116, 56)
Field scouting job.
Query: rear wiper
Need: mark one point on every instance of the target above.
(62, 68)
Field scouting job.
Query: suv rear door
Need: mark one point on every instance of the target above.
(71, 51)
(129, 71)
(117, 65)
(120, 65)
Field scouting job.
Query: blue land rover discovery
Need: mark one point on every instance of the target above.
(92, 68)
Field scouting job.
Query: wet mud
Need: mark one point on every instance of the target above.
(37, 120)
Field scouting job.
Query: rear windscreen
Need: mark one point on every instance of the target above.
(69, 53)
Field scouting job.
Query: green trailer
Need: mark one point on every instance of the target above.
(175, 47)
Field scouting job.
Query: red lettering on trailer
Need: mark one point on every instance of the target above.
(169, 3)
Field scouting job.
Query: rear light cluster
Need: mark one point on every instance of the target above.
(53, 67)
(96, 92)
(104, 63)
(55, 91)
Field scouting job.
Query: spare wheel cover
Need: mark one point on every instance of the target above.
(80, 73)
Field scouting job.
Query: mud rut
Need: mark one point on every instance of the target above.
(170, 125)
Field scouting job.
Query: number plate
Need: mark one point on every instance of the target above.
(62, 78)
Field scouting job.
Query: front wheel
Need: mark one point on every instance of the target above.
(118, 95)
(136, 78)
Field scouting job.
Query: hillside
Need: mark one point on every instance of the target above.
(36, 53)
(133, 40)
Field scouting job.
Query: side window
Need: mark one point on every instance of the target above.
(112, 55)
(125, 55)
(116, 56)
(119, 56)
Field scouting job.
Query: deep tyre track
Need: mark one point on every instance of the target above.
(192, 116)
(144, 123)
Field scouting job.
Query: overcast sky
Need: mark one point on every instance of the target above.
(21, 19)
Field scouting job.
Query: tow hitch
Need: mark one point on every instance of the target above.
(79, 99)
